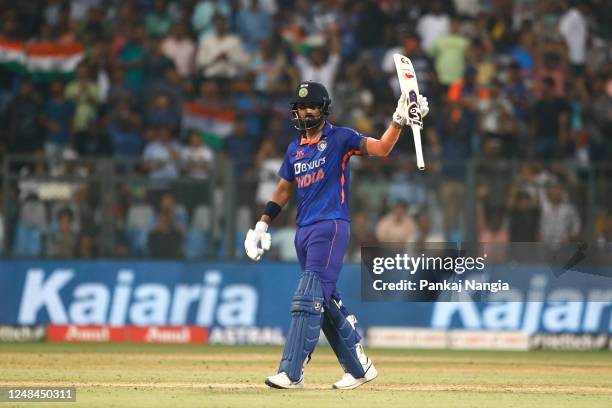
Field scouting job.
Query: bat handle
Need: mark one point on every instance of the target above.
(416, 133)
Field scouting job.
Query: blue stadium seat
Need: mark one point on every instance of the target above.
(197, 244)
(28, 241)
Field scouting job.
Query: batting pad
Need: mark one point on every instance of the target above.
(342, 337)
(306, 309)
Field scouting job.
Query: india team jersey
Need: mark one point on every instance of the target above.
(320, 170)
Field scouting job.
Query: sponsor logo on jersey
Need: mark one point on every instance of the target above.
(304, 167)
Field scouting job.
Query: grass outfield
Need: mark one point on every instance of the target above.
(215, 376)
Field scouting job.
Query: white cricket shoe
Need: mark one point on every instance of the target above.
(282, 380)
(348, 382)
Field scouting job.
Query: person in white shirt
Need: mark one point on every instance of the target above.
(162, 155)
(221, 54)
(196, 158)
(432, 25)
(180, 48)
(574, 29)
(321, 68)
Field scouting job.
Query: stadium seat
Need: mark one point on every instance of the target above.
(28, 241)
(139, 222)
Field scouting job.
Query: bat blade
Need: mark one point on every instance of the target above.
(410, 87)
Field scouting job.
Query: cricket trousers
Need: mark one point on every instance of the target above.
(320, 249)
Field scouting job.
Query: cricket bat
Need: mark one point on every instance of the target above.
(410, 87)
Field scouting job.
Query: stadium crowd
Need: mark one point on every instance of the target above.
(521, 94)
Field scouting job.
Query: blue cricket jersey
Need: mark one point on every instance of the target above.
(320, 170)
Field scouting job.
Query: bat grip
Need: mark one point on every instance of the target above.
(416, 133)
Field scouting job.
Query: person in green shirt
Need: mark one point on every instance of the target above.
(449, 52)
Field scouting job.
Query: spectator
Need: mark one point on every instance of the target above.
(433, 25)
(86, 246)
(197, 158)
(524, 216)
(23, 112)
(425, 233)
(1, 225)
(58, 114)
(397, 226)
(125, 131)
(158, 21)
(204, 15)
(85, 94)
(407, 186)
(166, 239)
(449, 53)
(320, 67)
(162, 155)
(549, 122)
(559, 222)
(132, 57)
(221, 54)
(180, 48)
(61, 243)
(254, 25)
(163, 114)
(240, 147)
(574, 28)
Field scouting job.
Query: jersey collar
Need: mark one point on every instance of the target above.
(306, 141)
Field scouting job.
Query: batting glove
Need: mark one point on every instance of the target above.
(399, 116)
(254, 238)
(423, 105)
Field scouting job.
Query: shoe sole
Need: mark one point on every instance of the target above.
(280, 387)
(361, 381)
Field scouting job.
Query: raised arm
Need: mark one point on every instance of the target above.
(383, 146)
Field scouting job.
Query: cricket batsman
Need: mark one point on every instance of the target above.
(316, 164)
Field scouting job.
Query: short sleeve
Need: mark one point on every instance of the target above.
(286, 170)
(352, 141)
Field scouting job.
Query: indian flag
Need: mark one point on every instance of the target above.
(215, 124)
(41, 59)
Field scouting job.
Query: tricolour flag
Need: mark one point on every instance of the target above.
(41, 59)
(215, 124)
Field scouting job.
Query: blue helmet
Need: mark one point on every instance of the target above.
(309, 92)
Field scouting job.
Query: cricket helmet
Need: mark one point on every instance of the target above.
(309, 92)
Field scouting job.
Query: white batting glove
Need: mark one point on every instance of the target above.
(254, 238)
(400, 114)
(423, 105)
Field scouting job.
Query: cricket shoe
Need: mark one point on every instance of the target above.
(282, 381)
(348, 382)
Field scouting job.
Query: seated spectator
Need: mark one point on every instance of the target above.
(162, 113)
(425, 234)
(397, 225)
(197, 159)
(86, 246)
(125, 131)
(166, 239)
(61, 243)
(221, 54)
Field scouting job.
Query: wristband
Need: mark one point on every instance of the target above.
(272, 209)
